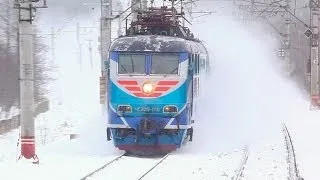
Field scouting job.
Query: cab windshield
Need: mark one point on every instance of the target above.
(158, 64)
(131, 64)
(165, 63)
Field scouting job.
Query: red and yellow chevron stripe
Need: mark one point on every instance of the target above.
(160, 87)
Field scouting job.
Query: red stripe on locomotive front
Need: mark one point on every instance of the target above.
(122, 82)
(168, 83)
(133, 88)
(162, 88)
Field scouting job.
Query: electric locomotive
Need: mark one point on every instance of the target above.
(154, 79)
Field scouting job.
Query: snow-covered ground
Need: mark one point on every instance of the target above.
(243, 102)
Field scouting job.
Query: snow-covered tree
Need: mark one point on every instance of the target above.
(9, 66)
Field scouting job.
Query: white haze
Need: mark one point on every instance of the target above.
(246, 98)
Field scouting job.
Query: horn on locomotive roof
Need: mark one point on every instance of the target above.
(162, 20)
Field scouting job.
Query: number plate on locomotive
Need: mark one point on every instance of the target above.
(147, 109)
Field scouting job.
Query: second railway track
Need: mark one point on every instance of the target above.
(239, 172)
(291, 156)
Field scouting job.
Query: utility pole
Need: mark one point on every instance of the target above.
(105, 35)
(287, 39)
(235, 11)
(252, 13)
(314, 83)
(183, 7)
(134, 8)
(52, 45)
(79, 41)
(8, 25)
(26, 16)
(144, 5)
(119, 19)
(105, 40)
(79, 45)
(90, 52)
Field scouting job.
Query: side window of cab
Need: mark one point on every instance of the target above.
(194, 63)
(197, 64)
(191, 63)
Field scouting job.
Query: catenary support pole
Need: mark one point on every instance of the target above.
(105, 40)
(287, 40)
(144, 4)
(26, 15)
(134, 8)
(90, 53)
(119, 19)
(52, 45)
(79, 45)
(8, 28)
(314, 91)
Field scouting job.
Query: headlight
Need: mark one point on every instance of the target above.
(170, 109)
(147, 88)
(124, 108)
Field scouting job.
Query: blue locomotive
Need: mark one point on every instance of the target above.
(154, 74)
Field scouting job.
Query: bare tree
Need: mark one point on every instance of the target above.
(9, 72)
(9, 58)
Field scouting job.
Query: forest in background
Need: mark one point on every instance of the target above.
(9, 60)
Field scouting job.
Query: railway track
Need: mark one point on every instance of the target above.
(153, 167)
(138, 168)
(239, 172)
(102, 167)
(135, 168)
(291, 156)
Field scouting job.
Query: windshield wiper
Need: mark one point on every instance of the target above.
(130, 74)
(132, 63)
(124, 68)
(170, 73)
(173, 70)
